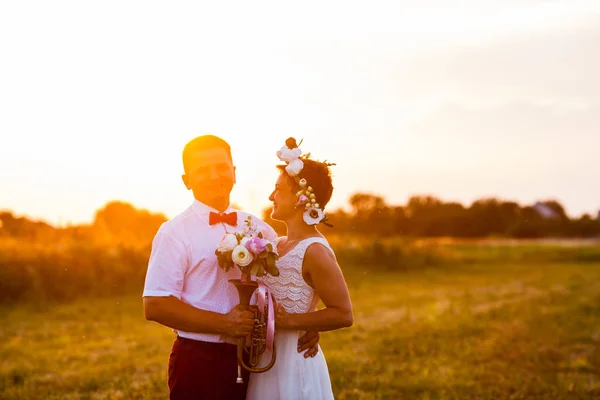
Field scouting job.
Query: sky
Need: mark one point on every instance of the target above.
(460, 99)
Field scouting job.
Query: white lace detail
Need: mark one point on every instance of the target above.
(289, 287)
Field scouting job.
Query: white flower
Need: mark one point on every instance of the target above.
(294, 167)
(288, 155)
(313, 216)
(228, 243)
(241, 256)
(244, 241)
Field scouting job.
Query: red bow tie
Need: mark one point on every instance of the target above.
(214, 218)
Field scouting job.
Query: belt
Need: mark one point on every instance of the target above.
(200, 343)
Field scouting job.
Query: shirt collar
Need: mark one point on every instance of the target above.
(201, 208)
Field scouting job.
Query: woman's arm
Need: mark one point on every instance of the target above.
(328, 281)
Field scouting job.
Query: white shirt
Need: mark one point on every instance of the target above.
(183, 263)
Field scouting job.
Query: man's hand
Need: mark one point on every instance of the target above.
(239, 323)
(310, 341)
(282, 317)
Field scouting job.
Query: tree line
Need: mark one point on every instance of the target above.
(368, 214)
(428, 216)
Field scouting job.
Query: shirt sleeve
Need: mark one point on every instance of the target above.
(166, 267)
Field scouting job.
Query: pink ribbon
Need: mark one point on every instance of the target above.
(264, 294)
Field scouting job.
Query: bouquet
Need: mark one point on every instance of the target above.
(249, 251)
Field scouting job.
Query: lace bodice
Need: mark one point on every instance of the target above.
(289, 288)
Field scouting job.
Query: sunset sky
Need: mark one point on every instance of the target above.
(458, 99)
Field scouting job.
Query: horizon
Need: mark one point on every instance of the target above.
(63, 224)
(462, 102)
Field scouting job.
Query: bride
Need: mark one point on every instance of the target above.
(309, 272)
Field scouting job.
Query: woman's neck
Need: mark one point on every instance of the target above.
(297, 229)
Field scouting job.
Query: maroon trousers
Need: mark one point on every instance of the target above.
(203, 370)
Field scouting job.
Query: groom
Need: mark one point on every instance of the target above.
(186, 290)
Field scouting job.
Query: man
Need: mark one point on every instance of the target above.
(186, 289)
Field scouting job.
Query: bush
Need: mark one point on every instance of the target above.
(61, 272)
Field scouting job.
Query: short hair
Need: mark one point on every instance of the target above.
(203, 142)
(318, 176)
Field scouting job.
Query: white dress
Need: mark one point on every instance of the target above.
(292, 377)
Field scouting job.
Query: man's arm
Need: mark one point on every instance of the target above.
(162, 293)
(176, 314)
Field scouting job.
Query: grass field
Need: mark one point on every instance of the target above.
(514, 330)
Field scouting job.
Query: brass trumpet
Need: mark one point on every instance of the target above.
(256, 343)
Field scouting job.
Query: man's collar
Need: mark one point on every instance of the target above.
(203, 209)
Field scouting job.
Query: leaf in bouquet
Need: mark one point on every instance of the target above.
(220, 260)
(274, 255)
(224, 265)
(271, 267)
(275, 271)
(260, 235)
(225, 257)
(261, 270)
(249, 222)
(264, 254)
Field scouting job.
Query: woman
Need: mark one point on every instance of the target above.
(308, 272)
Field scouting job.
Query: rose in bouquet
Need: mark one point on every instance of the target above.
(249, 251)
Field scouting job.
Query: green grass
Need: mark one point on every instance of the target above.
(519, 330)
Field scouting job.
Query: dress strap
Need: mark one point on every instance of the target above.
(303, 245)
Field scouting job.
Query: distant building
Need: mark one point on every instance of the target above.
(546, 211)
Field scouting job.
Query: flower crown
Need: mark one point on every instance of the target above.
(291, 154)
